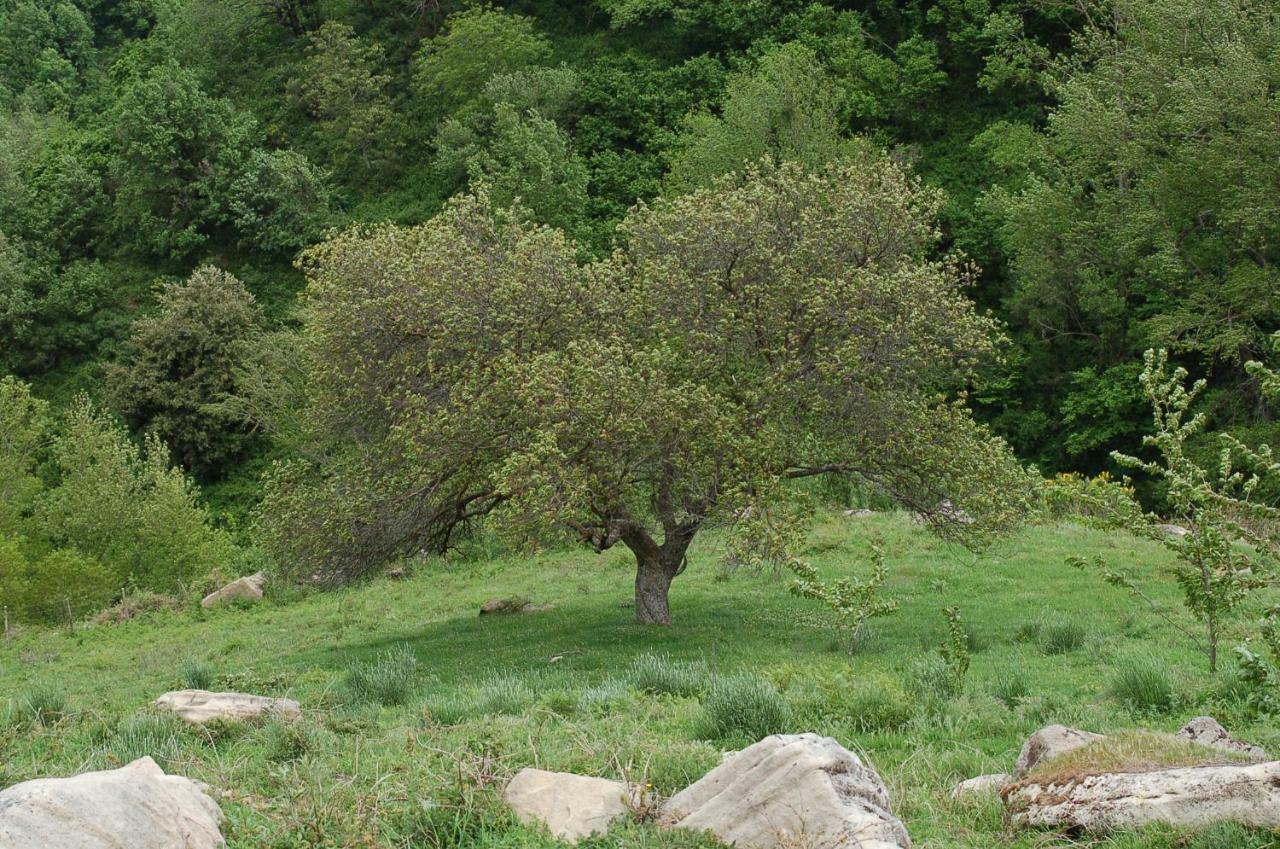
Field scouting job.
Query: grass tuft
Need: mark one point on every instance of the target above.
(1143, 686)
(388, 679)
(744, 705)
(197, 674)
(657, 673)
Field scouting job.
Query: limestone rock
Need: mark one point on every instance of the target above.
(790, 790)
(570, 806)
(1048, 743)
(1206, 731)
(248, 587)
(983, 785)
(134, 807)
(1248, 794)
(859, 513)
(200, 706)
(1173, 531)
(509, 606)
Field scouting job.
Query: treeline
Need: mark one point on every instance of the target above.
(1108, 168)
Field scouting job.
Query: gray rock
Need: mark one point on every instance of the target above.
(790, 790)
(200, 706)
(570, 806)
(1207, 731)
(248, 588)
(1174, 531)
(1048, 743)
(134, 807)
(859, 513)
(1188, 797)
(983, 785)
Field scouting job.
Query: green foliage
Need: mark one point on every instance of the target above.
(852, 601)
(388, 679)
(43, 704)
(1061, 637)
(24, 431)
(745, 707)
(1260, 671)
(955, 648)
(280, 202)
(197, 674)
(144, 735)
(1011, 688)
(1143, 685)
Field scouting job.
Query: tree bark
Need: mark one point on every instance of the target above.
(653, 583)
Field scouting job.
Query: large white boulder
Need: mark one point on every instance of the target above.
(1048, 743)
(790, 790)
(248, 588)
(1207, 731)
(200, 706)
(570, 806)
(134, 807)
(1248, 794)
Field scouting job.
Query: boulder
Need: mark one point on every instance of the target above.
(1186, 797)
(983, 785)
(1206, 731)
(1048, 743)
(570, 806)
(134, 807)
(509, 606)
(1173, 531)
(790, 790)
(248, 588)
(200, 706)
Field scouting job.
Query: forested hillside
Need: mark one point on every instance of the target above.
(1106, 176)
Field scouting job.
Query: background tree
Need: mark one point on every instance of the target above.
(178, 365)
(786, 325)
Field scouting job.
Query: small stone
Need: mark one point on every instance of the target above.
(248, 588)
(983, 785)
(570, 806)
(200, 706)
(1048, 743)
(1174, 531)
(1207, 731)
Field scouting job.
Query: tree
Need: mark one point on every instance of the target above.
(476, 44)
(781, 325)
(787, 108)
(24, 430)
(179, 363)
(342, 87)
(280, 202)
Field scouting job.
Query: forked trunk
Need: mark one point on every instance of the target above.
(653, 583)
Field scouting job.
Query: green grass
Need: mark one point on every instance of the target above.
(422, 765)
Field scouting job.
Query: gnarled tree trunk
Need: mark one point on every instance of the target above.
(653, 583)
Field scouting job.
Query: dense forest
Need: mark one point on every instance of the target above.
(1105, 172)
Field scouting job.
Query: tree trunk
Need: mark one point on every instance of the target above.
(653, 582)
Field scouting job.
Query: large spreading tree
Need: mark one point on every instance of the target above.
(777, 325)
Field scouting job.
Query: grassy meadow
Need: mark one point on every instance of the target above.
(416, 709)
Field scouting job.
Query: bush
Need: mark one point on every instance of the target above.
(54, 586)
(744, 705)
(654, 673)
(1143, 686)
(388, 679)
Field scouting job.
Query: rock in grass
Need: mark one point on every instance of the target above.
(1207, 731)
(1173, 531)
(859, 513)
(570, 806)
(200, 706)
(1187, 797)
(790, 790)
(248, 588)
(1048, 743)
(983, 785)
(509, 606)
(134, 807)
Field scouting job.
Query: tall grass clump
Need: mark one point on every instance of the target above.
(744, 705)
(658, 673)
(197, 673)
(1011, 688)
(1143, 686)
(388, 679)
(1061, 637)
(43, 704)
(145, 735)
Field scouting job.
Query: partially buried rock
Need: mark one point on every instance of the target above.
(790, 790)
(1048, 743)
(510, 606)
(1188, 797)
(570, 806)
(200, 706)
(983, 785)
(134, 807)
(248, 588)
(1207, 731)
(859, 513)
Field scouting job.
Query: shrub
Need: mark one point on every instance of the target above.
(1143, 686)
(387, 679)
(145, 735)
(744, 705)
(1061, 637)
(197, 674)
(851, 601)
(52, 586)
(654, 673)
